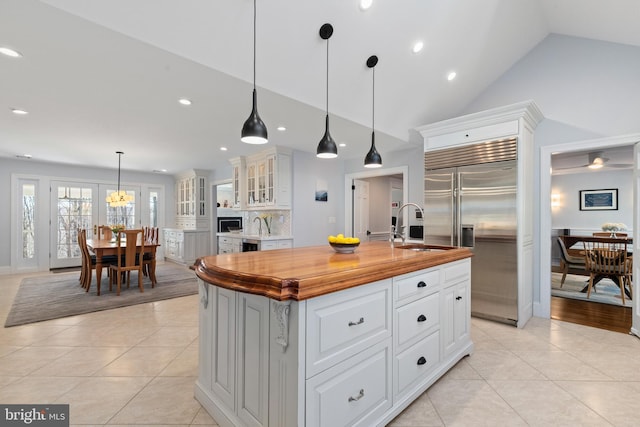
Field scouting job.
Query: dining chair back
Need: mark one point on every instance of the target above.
(150, 238)
(127, 258)
(104, 232)
(569, 261)
(608, 260)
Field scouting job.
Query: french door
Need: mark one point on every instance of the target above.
(77, 205)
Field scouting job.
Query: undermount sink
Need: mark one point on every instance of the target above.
(419, 247)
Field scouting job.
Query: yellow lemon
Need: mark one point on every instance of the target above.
(356, 240)
(332, 239)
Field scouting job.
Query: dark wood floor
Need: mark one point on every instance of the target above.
(603, 316)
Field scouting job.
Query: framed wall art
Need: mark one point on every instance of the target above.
(599, 200)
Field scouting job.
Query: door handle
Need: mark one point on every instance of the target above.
(357, 323)
(458, 298)
(421, 284)
(422, 360)
(422, 318)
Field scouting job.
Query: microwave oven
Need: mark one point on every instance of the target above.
(228, 223)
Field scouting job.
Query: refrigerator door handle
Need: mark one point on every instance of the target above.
(468, 236)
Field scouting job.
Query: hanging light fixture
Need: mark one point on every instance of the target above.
(373, 158)
(254, 130)
(119, 197)
(327, 148)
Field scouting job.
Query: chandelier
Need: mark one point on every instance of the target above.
(119, 197)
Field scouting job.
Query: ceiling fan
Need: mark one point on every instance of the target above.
(597, 161)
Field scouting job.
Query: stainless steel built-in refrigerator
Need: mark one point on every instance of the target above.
(470, 201)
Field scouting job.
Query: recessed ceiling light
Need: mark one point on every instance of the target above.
(451, 75)
(184, 101)
(19, 111)
(281, 128)
(342, 144)
(10, 52)
(417, 46)
(223, 148)
(24, 156)
(365, 4)
(160, 171)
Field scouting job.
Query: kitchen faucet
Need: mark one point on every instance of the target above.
(259, 225)
(393, 234)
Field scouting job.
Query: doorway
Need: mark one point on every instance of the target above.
(543, 308)
(368, 201)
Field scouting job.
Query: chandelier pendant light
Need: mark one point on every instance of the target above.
(254, 130)
(373, 158)
(327, 148)
(119, 197)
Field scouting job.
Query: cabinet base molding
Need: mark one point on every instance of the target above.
(216, 409)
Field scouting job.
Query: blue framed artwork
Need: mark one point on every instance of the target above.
(599, 200)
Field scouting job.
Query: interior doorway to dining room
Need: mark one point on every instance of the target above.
(611, 317)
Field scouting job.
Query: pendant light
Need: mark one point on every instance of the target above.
(119, 198)
(373, 158)
(327, 148)
(254, 130)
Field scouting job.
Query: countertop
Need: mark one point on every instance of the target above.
(307, 272)
(253, 236)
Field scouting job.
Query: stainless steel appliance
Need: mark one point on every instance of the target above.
(229, 223)
(470, 201)
(250, 245)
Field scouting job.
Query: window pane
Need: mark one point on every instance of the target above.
(28, 221)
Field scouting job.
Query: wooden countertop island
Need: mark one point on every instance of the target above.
(307, 272)
(309, 337)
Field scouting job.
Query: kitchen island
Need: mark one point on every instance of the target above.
(310, 337)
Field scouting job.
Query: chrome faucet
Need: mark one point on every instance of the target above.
(259, 225)
(394, 234)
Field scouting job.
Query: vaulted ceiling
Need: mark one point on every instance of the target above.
(98, 76)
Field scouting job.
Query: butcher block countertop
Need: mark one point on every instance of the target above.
(308, 272)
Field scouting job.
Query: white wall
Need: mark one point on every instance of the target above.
(568, 215)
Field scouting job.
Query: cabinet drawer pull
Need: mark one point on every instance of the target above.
(357, 323)
(422, 360)
(421, 284)
(422, 318)
(358, 397)
(458, 298)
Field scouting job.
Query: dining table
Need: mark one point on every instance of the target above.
(105, 247)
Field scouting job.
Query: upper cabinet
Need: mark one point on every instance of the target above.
(263, 180)
(192, 200)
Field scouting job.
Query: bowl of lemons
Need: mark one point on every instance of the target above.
(343, 245)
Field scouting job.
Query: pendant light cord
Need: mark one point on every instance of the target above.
(254, 44)
(373, 101)
(327, 77)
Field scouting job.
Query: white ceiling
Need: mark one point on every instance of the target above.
(103, 75)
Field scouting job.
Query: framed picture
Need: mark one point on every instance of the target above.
(599, 200)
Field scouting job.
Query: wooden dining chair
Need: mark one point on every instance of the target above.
(105, 232)
(127, 258)
(608, 260)
(150, 238)
(569, 261)
(88, 262)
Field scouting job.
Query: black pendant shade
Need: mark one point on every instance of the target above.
(254, 130)
(373, 158)
(327, 148)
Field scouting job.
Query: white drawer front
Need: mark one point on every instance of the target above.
(343, 323)
(417, 361)
(409, 287)
(456, 271)
(353, 392)
(416, 318)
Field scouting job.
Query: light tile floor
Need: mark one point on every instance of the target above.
(137, 366)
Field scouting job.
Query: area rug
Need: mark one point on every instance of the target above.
(60, 295)
(606, 291)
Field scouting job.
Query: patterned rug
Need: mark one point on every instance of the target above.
(60, 295)
(606, 291)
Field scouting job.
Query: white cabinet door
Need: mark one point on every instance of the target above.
(253, 359)
(205, 310)
(223, 344)
(456, 312)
